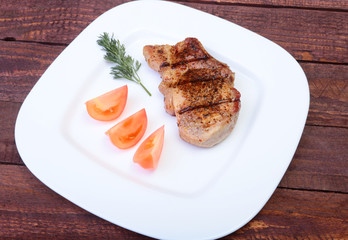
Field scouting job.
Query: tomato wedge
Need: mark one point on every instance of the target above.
(128, 132)
(149, 151)
(108, 106)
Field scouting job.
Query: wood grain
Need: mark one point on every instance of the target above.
(328, 86)
(31, 210)
(318, 36)
(291, 214)
(338, 5)
(21, 66)
(8, 149)
(307, 35)
(49, 21)
(320, 162)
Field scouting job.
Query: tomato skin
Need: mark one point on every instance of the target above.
(149, 152)
(128, 132)
(108, 106)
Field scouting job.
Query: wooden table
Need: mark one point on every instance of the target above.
(311, 202)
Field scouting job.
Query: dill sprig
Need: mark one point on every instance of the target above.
(126, 67)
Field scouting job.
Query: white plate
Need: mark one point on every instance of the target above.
(195, 193)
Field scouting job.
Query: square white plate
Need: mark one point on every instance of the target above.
(195, 193)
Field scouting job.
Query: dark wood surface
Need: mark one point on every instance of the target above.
(311, 202)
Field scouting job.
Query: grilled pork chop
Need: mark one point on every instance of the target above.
(198, 90)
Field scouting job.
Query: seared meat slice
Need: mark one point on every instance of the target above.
(197, 89)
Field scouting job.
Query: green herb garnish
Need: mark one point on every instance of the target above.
(126, 67)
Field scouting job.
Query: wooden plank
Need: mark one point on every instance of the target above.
(22, 64)
(338, 5)
(328, 85)
(31, 210)
(291, 214)
(8, 150)
(49, 21)
(320, 161)
(307, 34)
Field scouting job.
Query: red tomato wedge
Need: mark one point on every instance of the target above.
(149, 151)
(128, 132)
(108, 106)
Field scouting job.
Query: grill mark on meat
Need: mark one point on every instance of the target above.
(184, 62)
(164, 64)
(197, 79)
(182, 82)
(208, 105)
(201, 75)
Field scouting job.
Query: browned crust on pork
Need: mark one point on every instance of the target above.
(198, 90)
